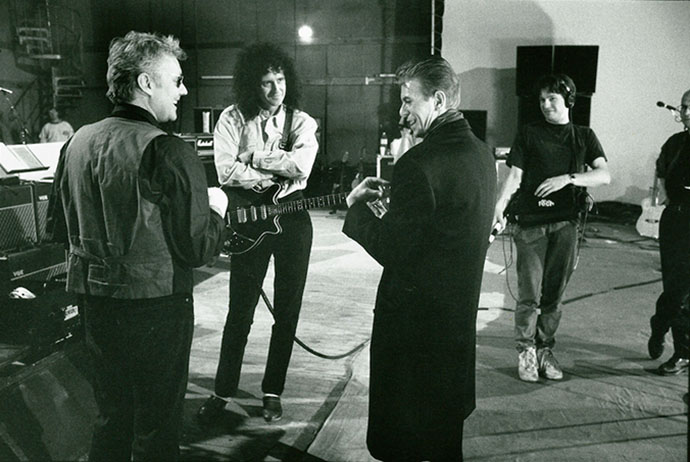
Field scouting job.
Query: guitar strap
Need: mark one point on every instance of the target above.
(286, 141)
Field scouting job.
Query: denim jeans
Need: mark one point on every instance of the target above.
(545, 259)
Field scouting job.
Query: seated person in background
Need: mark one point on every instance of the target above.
(56, 129)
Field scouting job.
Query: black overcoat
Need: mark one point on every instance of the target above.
(432, 244)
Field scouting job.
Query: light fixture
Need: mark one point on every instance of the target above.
(305, 34)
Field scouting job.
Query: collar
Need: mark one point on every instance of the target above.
(133, 112)
(265, 114)
(451, 115)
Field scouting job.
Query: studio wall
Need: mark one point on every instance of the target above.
(355, 41)
(643, 58)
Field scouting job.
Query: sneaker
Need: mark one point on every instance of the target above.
(674, 366)
(527, 365)
(548, 366)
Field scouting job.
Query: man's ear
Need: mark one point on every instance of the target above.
(145, 83)
(440, 100)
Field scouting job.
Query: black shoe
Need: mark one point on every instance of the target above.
(674, 366)
(272, 409)
(655, 345)
(210, 410)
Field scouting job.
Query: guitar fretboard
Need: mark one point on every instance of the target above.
(311, 203)
(262, 212)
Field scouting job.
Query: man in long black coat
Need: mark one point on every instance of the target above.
(431, 243)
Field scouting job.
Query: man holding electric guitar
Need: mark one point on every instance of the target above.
(672, 310)
(264, 152)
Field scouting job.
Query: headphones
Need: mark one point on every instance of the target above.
(568, 93)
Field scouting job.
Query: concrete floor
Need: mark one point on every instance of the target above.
(610, 406)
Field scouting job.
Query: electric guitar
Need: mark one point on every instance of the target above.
(648, 223)
(254, 214)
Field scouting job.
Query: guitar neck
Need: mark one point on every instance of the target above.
(329, 200)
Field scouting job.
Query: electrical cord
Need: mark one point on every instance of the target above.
(304, 345)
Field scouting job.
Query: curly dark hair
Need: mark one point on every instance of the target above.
(253, 63)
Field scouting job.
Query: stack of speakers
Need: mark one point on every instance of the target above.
(579, 62)
(35, 310)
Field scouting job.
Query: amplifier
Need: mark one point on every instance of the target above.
(41, 263)
(204, 145)
(22, 224)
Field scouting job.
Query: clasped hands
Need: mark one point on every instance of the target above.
(371, 188)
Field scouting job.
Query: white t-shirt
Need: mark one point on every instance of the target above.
(52, 132)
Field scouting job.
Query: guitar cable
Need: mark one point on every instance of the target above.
(304, 345)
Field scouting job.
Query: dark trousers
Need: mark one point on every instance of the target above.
(290, 250)
(140, 355)
(672, 306)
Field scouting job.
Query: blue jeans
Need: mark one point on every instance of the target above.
(545, 259)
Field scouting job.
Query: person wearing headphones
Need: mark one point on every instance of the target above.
(672, 311)
(547, 161)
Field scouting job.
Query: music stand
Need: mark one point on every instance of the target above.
(19, 159)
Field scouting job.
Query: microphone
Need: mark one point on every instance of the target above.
(5, 90)
(666, 106)
(494, 232)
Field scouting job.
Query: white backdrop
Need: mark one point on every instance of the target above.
(643, 57)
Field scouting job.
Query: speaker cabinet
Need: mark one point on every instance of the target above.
(22, 225)
(47, 410)
(532, 63)
(577, 61)
(580, 63)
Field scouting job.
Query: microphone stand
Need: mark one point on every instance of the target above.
(24, 133)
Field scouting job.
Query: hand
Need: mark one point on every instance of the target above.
(553, 184)
(218, 201)
(371, 188)
(246, 157)
(500, 219)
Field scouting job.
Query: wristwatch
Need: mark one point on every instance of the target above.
(571, 178)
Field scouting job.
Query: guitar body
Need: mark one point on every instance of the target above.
(648, 223)
(251, 216)
(254, 214)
